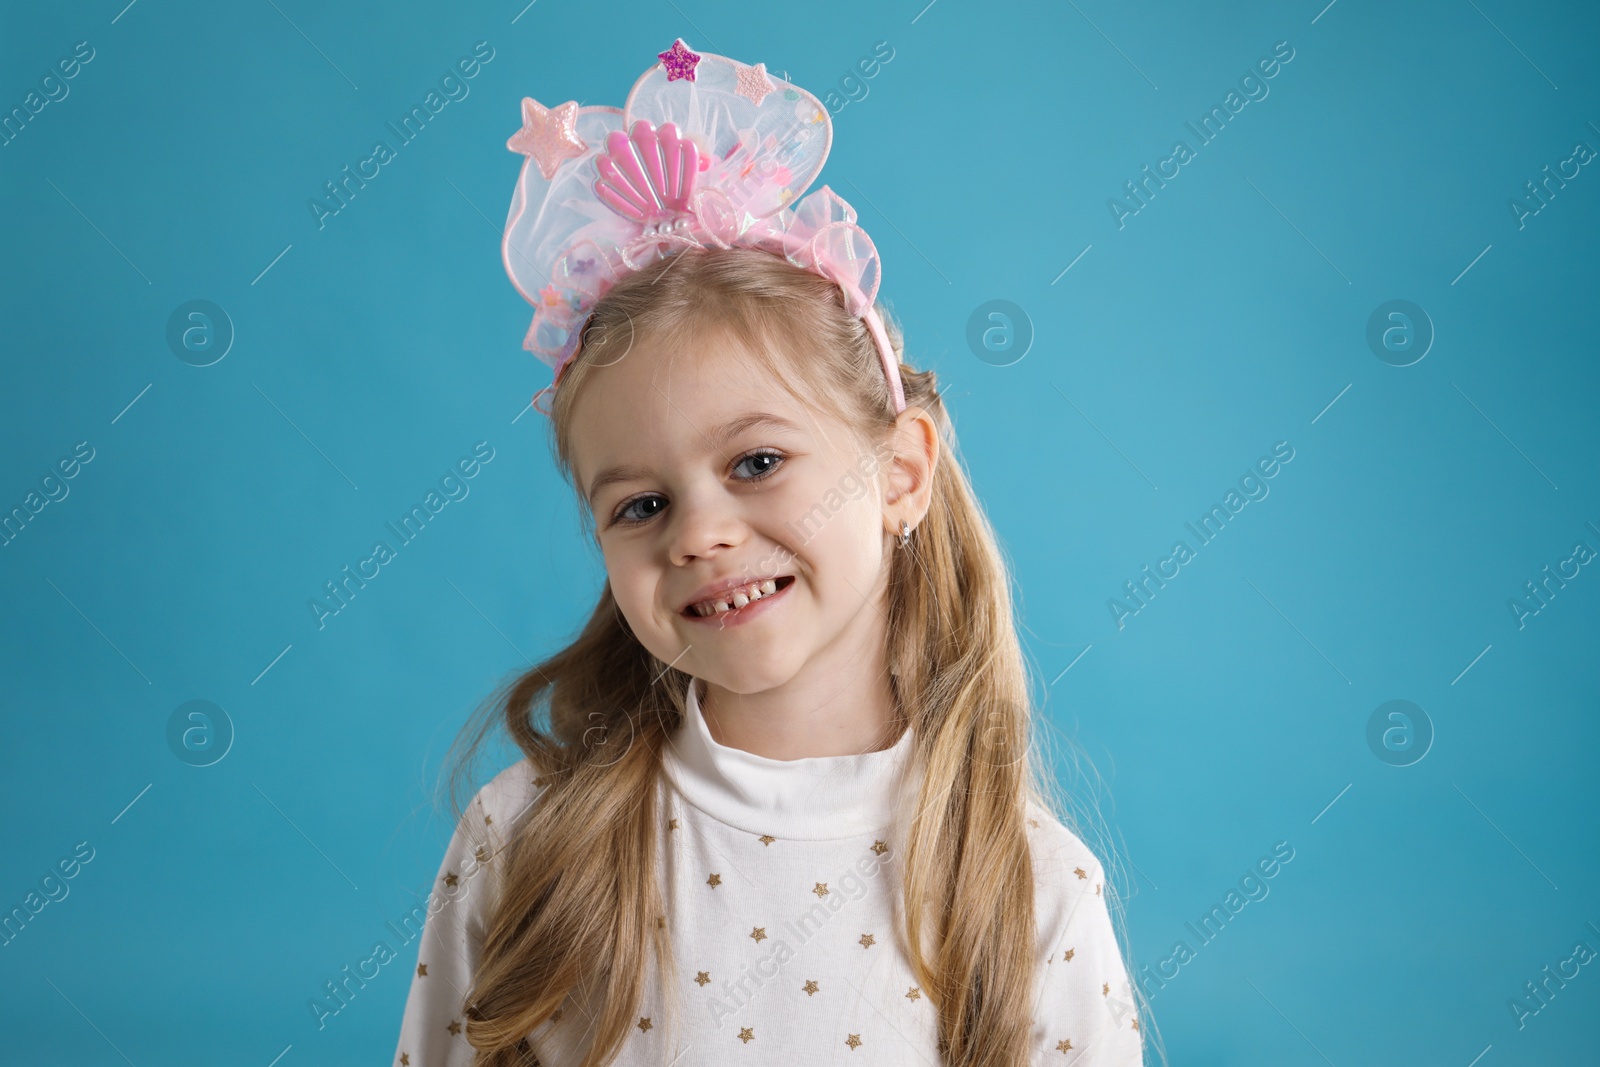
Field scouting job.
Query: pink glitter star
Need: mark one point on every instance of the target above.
(679, 61)
(754, 83)
(549, 135)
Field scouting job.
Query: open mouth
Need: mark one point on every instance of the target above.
(729, 606)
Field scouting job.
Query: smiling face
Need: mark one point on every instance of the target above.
(723, 477)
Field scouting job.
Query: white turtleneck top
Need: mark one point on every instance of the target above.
(782, 892)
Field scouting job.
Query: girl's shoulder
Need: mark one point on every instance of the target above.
(1062, 862)
(506, 799)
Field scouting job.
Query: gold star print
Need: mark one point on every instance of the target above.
(661, 922)
(482, 854)
(767, 839)
(488, 819)
(1080, 872)
(405, 1059)
(1105, 989)
(538, 782)
(704, 978)
(759, 933)
(714, 881)
(422, 970)
(672, 824)
(451, 879)
(914, 994)
(454, 1027)
(746, 1034)
(821, 890)
(1097, 889)
(880, 847)
(1063, 1045)
(644, 1022)
(1033, 823)
(1136, 1024)
(854, 1040)
(810, 987)
(1070, 953)
(867, 940)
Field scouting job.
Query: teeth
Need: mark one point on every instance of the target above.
(738, 599)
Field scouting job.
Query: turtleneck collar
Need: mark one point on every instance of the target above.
(816, 798)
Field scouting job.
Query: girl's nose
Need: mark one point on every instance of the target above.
(701, 528)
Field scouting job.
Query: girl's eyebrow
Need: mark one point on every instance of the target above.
(718, 437)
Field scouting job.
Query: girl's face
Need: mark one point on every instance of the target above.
(705, 471)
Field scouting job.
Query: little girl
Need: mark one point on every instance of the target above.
(780, 807)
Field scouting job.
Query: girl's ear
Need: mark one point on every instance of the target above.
(909, 490)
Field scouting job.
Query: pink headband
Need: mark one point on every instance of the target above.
(707, 152)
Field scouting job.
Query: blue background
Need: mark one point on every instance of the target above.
(1228, 314)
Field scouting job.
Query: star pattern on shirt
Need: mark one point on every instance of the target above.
(1070, 953)
(482, 854)
(880, 847)
(714, 881)
(759, 933)
(746, 1034)
(643, 1023)
(704, 978)
(672, 824)
(854, 1041)
(454, 1028)
(1105, 989)
(450, 879)
(405, 1059)
(821, 889)
(766, 839)
(1080, 872)
(867, 941)
(422, 970)
(811, 987)
(1064, 1045)
(913, 993)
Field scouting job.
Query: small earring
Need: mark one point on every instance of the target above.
(905, 533)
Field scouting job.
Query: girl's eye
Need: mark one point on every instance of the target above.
(765, 462)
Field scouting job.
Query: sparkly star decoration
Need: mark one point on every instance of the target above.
(1070, 953)
(679, 61)
(1080, 872)
(1033, 823)
(451, 879)
(759, 933)
(405, 1059)
(1097, 889)
(880, 847)
(672, 824)
(1136, 1024)
(488, 819)
(422, 970)
(644, 1022)
(746, 1034)
(454, 1028)
(714, 881)
(913, 993)
(1064, 1045)
(810, 987)
(867, 941)
(704, 978)
(1105, 989)
(854, 1041)
(821, 889)
(767, 839)
(754, 83)
(550, 136)
(482, 854)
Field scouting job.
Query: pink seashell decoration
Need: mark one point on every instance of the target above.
(648, 174)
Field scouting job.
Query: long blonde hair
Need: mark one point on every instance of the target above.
(578, 909)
